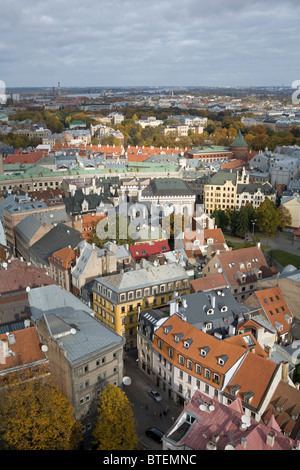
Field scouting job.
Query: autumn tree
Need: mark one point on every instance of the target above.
(284, 215)
(36, 416)
(115, 427)
(267, 218)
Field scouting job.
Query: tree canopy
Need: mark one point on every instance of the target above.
(115, 427)
(36, 416)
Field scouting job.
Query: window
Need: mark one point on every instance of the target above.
(189, 364)
(207, 374)
(181, 360)
(198, 369)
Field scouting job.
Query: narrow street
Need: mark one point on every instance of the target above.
(147, 412)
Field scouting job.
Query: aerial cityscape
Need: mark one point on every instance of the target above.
(150, 228)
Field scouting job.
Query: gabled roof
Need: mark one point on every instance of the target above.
(25, 347)
(213, 348)
(275, 308)
(255, 374)
(214, 281)
(284, 407)
(231, 263)
(143, 250)
(218, 426)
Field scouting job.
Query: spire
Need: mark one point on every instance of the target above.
(239, 141)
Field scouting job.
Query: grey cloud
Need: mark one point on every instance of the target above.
(136, 42)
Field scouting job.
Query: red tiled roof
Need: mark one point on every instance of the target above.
(214, 281)
(64, 257)
(220, 426)
(24, 157)
(144, 250)
(255, 374)
(230, 263)
(25, 346)
(20, 275)
(275, 307)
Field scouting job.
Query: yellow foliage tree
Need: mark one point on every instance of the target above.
(115, 427)
(36, 416)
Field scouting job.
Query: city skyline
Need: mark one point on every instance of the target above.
(134, 43)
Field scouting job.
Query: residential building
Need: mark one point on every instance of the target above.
(292, 204)
(119, 299)
(215, 312)
(219, 192)
(204, 239)
(284, 407)
(22, 351)
(206, 284)
(146, 250)
(272, 304)
(206, 424)
(17, 279)
(33, 227)
(254, 194)
(186, 358)
(57, 238)
(242, 268)
(80, 368)
(91, 263)
(149, 321)
(60, 265)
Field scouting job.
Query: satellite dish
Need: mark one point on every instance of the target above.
(73, 331)
(220, 270)
(126, 380)
(229, 447)
(27, 289)
(245, 419)
(4, 265)
(211, 408)
(44, 348)
(202, 407)
(244, 426)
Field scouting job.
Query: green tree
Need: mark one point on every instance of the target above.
(267, 218)
(284, 215)
(36, 416)
(222, 218)
(115, 427)
(242, 225)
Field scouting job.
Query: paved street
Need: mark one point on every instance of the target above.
(147, 412)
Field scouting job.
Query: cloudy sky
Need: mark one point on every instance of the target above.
(149, 42)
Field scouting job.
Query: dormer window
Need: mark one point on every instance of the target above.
(224, 308)
(248, 396)
(208, 326)
(178, 337)
(234, 389)
(222, 360)
(210, 311)
(204, 351)
(187, 343)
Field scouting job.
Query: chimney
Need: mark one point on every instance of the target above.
(244, 442)
(270, 439)
(285, 371)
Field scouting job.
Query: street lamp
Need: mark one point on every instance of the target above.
(253, 224)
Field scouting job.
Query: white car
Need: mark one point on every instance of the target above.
(154, 394)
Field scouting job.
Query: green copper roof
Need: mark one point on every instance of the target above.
(239, 141)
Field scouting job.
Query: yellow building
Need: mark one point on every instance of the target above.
(118, 299)
(220, 191)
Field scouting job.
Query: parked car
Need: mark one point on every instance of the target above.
(155, 434)
(154, 394)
